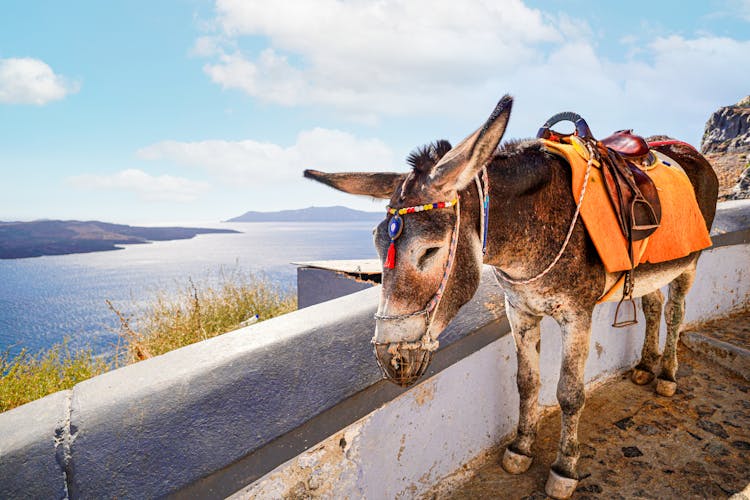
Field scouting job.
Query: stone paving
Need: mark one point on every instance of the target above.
(734, 330)
(637, 444)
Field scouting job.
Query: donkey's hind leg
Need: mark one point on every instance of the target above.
(526, 333)
(674, 313)
(644, 371)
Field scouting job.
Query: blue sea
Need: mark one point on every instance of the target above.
(44, 300)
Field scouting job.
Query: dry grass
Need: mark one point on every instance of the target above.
(200, 312)
(728, 168)
(25, 377)
(195, 313)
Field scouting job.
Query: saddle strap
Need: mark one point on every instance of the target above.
(617, 189)
(633, 196)
(635, 201)
(646, 208)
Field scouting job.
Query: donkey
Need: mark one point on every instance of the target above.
(438, 250)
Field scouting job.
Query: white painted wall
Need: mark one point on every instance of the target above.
(426, 435)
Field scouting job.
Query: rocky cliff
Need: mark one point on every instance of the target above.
(726, 144)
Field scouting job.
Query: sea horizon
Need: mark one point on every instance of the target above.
(46, 299)
(191, 222)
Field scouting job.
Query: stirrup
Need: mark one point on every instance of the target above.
(632, 320)
(653, 222)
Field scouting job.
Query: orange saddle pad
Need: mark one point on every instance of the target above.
(682, 230)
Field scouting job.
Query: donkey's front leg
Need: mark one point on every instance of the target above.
(525, 328)
(576, 330)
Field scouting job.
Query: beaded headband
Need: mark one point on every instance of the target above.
(422, 208)
(396, 225)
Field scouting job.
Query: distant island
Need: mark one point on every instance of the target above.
(56, 237)
(311, 214)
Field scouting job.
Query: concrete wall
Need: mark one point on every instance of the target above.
(422, 439)
(320, 285)
(301, 397)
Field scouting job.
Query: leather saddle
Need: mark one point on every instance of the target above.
(627, 144)
(633, 194)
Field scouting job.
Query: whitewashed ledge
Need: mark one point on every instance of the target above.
(297, 403)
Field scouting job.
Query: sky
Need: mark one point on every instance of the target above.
(191, 110)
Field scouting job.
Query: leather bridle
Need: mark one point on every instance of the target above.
(426, 342)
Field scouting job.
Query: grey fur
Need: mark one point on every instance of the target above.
(531, 211)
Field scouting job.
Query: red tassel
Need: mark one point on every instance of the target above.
(390, 260)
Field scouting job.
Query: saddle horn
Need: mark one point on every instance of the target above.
(582, 128)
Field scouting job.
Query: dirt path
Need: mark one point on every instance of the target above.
(636, 444)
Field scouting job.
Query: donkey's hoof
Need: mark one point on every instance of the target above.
(665, 387)
(641, 377)
(560, 486)
(515, 463)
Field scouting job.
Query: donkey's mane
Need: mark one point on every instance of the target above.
(425, 157)
(516, 146)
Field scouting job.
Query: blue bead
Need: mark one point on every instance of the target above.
(395, 226)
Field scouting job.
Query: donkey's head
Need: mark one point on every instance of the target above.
(431, 250)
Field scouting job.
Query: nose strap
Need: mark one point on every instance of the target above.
(395, 229)
(427, 342)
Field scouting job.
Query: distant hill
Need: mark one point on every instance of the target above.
(56, 237)
(311, 214)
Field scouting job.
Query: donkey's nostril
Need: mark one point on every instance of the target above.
(402, 366)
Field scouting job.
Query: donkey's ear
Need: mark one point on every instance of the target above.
(375, 184)
(459, 165)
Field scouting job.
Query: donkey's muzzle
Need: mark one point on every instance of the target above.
(400, 365)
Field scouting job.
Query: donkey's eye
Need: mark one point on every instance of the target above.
(427, 256)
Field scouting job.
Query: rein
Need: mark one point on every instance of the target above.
(591, 161)
(396, 224)
(395, 227)
(501, 275)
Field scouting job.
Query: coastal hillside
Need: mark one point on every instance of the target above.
(56, 237)
(726, 144)
(311, 214)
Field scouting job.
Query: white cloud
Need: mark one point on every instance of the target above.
(729, 9)
(252, 162)
(271, 77)
(672, 88)
(396, 32)
(421, 57)
(683, 82)
(207, 46)
(387, 55)
(31, 81)
(148, 187)
(743, 8)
